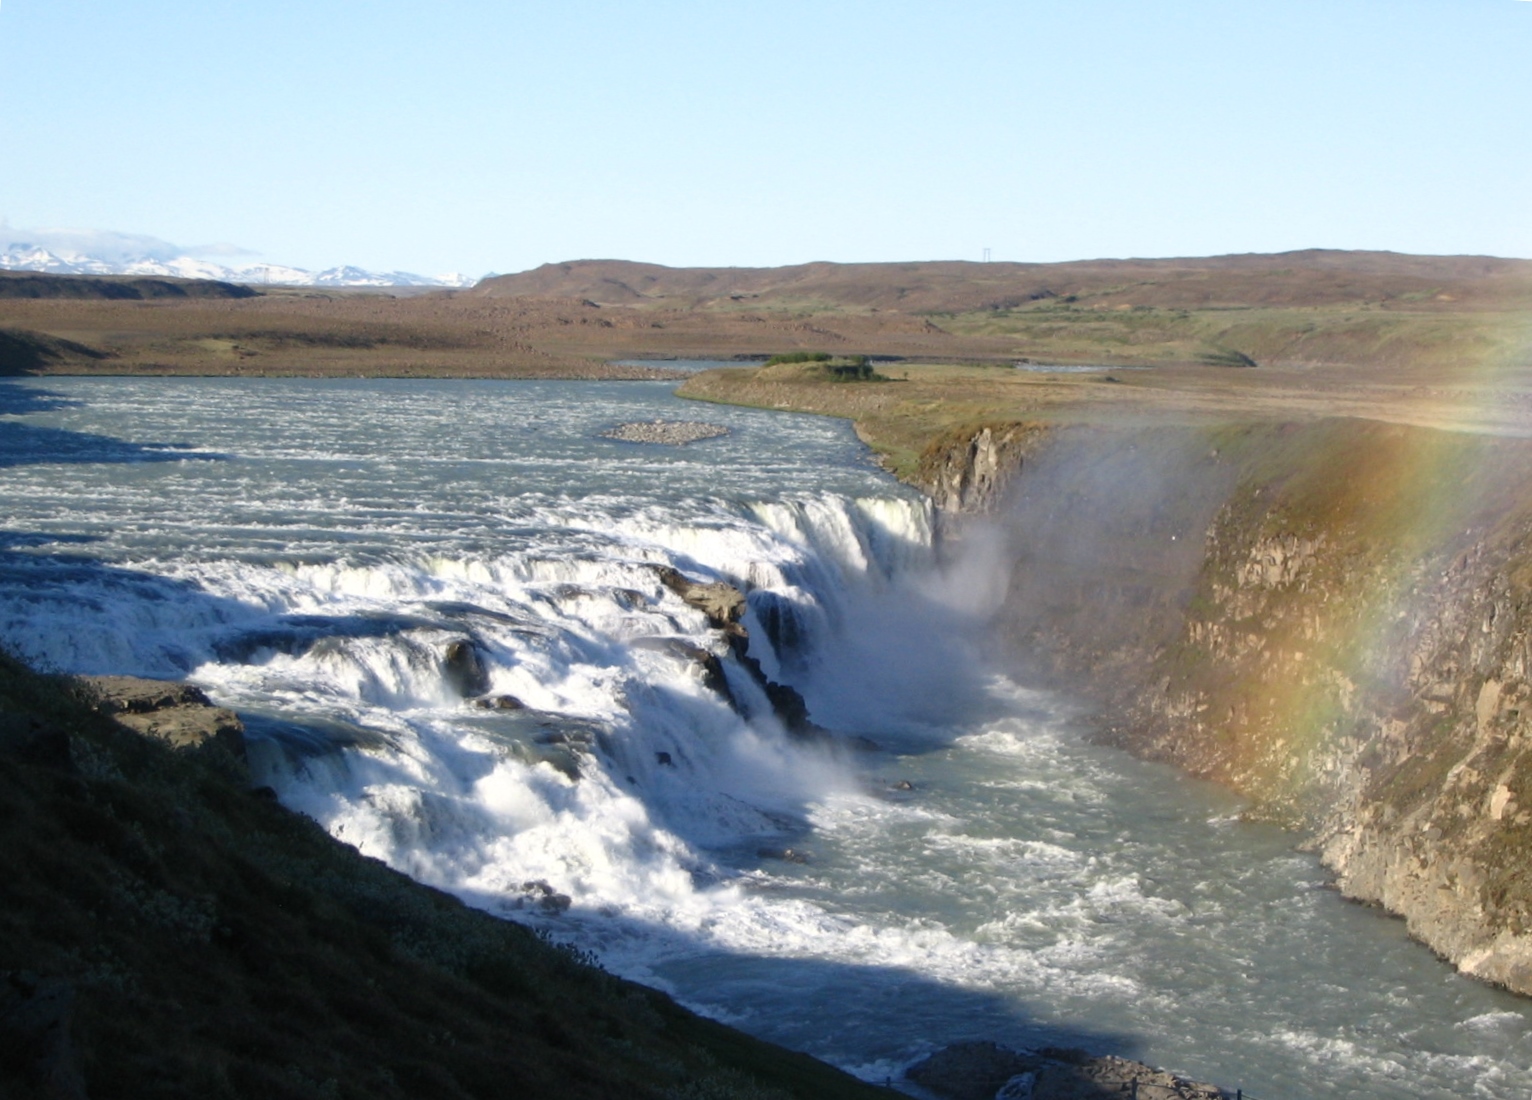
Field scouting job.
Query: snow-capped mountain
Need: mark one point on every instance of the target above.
(19, 256)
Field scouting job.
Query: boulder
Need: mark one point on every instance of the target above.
(971, 1071)
(499, 702)
(543, 898)
(537, 737)
(463, 669)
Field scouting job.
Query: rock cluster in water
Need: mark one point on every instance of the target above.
(674, 432)
(724, 605)
(987, 1071)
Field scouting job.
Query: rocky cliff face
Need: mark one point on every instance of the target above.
(1332, 618)
(966, 470)
(1436, 820)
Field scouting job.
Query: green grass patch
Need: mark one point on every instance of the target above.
(798, 357)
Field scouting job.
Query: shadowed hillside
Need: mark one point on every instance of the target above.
(21, 284)
(23, 352)
(166, 932)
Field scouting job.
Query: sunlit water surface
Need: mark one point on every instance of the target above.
(309, 551)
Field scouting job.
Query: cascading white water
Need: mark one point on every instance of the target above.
(625, 768)
(344, 561)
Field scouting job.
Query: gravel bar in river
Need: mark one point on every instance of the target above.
(676, 432)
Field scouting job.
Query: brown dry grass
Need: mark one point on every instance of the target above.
(312, 334)
(1315, 277)
(898, 418)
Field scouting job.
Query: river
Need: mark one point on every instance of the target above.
(957, 861)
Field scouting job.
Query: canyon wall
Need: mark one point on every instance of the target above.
(1333, 618)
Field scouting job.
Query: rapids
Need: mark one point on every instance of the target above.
(956, 861)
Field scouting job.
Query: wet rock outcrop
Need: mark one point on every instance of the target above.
(542, 898)
(724, 605)
(499, 702)
(707, 661)
(463, 669)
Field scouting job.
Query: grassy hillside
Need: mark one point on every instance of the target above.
(165, 932)
(1457, 370)
(24, 352)
(1312, 278)
(1126, 334)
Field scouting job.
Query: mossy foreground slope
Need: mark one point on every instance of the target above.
(165, 932)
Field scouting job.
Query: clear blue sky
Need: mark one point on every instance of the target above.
(471, 135)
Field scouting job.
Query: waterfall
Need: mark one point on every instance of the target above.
(547, 723)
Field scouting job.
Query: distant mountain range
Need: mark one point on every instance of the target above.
(18, 256)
